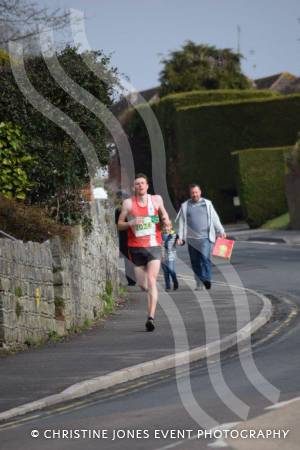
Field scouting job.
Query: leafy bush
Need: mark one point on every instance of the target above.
(61, 167)
(15, 163)
(261, 186)
(29, 223)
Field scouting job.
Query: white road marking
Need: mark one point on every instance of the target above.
(282, 404)
(219, 443)
(261, 242)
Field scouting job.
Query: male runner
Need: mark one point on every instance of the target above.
(143, 212)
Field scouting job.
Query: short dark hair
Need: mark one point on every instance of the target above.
(141, 175)
(193, 185)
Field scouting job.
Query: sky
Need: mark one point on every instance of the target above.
(138, 33)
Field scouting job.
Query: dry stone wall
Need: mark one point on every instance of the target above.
(51, 287)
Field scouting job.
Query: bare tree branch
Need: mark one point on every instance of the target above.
(19, 20)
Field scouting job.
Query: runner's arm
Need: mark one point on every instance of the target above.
(162, 211)
(122, 224)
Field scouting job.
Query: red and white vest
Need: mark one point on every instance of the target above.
(147, 233)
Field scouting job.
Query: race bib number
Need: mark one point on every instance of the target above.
(144, 228)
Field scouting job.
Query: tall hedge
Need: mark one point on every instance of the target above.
(205, 137)
(260, 181)
(166, 111)
(192, 98)
(199, 141)
(292, 184)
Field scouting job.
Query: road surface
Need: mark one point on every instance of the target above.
(150, 412)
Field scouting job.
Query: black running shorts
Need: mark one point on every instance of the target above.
(140, 256)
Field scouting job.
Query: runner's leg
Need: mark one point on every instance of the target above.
(141, 276)
(152, 270)
(129, 271)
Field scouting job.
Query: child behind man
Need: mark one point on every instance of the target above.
(169, 237)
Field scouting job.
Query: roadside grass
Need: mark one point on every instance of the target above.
(123, 291)
(279, 223)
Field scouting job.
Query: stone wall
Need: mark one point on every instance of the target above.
(56, 285)
(26, 291)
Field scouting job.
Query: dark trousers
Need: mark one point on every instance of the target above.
(169, 273)
(199, 251)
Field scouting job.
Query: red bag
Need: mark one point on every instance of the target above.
(223, 248)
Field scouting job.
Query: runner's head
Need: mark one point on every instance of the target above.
(195, 192)
(140, 185)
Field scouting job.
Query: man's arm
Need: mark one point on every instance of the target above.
(122, 224)
(217, 223)
(180, 219)
(162, 211)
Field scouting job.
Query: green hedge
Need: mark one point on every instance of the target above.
(187, 99)
(168, 106)
(199, 141)
(166, 110)
(261, 185)
(205, 137)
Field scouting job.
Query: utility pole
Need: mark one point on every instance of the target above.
(238, 39)
(252, 53)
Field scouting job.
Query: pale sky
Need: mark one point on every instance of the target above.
(137, 32)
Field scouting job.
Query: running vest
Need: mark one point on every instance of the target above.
(146, 234)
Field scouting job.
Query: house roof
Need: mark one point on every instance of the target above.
(120, 107)
(289, 86)
(276, 82)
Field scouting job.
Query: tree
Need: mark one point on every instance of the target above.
(61, 169)
(19, 20)
(201, 67)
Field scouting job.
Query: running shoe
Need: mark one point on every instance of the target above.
(150, 324)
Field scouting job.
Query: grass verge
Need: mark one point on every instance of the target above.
(279, 223)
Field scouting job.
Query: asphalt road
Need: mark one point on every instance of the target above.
(243, 384)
